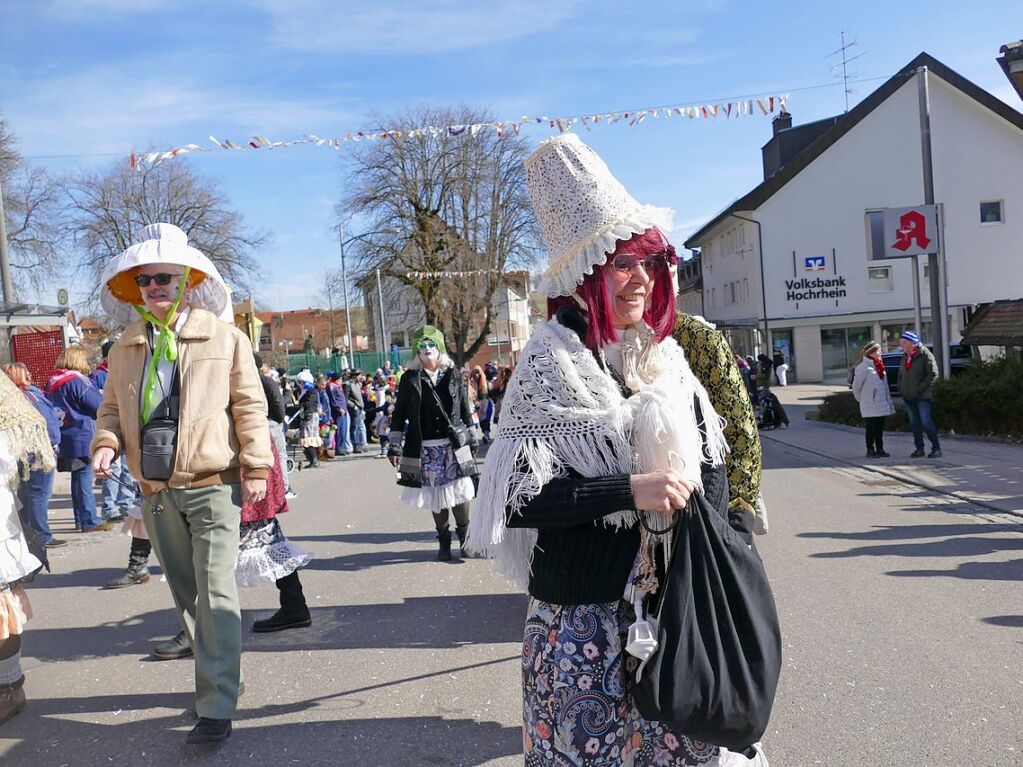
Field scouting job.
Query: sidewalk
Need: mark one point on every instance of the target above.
(988, 474)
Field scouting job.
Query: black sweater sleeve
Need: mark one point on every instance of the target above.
(572, 501)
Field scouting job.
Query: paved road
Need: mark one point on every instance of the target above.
(901, 614)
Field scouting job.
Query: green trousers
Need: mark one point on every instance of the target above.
(196, 540)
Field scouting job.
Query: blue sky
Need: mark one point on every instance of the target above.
(85, 82)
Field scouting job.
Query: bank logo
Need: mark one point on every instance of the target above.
(815, 264)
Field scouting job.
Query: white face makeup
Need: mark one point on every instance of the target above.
(160, 298)
(429, 354)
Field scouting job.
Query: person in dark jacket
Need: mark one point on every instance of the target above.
(437, 475)
(275, 416)
(36, 492)
(916, 384)
(309, 401)
(339, 412)
(76, 396)
(357, 411)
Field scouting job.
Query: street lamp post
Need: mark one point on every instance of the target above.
(344, 285)
(380, 307)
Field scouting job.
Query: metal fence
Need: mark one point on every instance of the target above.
(367, 362)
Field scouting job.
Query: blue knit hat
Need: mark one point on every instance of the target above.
(910, 336)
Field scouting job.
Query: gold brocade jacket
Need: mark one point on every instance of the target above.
(713, 363)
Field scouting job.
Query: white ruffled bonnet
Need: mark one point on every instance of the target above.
(160, 244)
(583, 211)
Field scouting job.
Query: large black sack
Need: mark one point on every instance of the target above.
(715, 672)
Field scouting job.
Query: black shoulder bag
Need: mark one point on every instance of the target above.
(714, 674)
(458, 433)
(160, 436)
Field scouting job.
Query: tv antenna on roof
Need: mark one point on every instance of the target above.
(844, 64)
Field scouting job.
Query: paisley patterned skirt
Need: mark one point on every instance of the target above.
(577, 708)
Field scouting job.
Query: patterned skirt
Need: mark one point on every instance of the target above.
(577, 706)
(443, 483)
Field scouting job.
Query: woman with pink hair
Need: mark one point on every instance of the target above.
(603, 436)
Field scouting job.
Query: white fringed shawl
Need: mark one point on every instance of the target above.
(561, 411)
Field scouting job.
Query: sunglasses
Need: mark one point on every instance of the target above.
(162, 279)
(426, 345)
(654, 266)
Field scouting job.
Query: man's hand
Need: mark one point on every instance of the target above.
(101, 461)
(253, 490)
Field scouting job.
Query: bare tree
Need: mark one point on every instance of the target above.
(31, 212)
(440, 202)
(330, 298)
(106, 212)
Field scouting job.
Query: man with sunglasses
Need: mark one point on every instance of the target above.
(184, 405)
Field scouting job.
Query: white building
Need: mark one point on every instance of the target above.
(793, 257)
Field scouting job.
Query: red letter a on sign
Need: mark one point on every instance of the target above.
(912, 226)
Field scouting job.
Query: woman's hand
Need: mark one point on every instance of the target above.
(395, 460)
(663, 491)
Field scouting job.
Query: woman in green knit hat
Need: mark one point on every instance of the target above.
(432, 438)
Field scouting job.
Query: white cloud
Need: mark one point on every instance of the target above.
(107, 109)
(390, 27)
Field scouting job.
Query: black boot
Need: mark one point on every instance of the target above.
(310, 456)
(444, 552)
(462, 531)
(138, 570)
(294, 613)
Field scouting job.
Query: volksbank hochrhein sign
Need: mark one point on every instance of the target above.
(807, 289)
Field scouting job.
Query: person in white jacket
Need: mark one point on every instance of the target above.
(870, 388)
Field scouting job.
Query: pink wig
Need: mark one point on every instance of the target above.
(660, 309)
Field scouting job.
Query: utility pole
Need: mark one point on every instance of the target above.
(935, 260)
(380, 305)
(5, 263)
(344, 287)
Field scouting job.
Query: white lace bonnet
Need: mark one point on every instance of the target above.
(160, 244)
(583, 211)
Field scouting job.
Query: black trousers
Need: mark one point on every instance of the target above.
(875, 433)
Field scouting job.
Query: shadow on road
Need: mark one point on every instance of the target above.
(1009, 621)
(370, 538)
(46, 737)
(417, 622)
(974, 571)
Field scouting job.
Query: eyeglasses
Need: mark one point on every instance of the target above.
(162, 279)
(654, 266)
(426, 345)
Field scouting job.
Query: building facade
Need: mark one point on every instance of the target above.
(796, 263)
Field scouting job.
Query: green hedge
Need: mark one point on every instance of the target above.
(985, 400)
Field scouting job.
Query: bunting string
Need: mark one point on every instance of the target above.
(449, 275)
(733, 109)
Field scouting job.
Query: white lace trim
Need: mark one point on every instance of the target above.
(565, 274)
(562, 411)
(461, 490)
(258, 566)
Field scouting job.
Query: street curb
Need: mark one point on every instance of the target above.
(899, 477)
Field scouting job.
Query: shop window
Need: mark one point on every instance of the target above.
(991, 212)
(879, 279)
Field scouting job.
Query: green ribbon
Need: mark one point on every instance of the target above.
(165, 348)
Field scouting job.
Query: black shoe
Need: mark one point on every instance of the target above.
(55, 543)
(936, 453)
(917, 454)
(882, 454)
(444, 551)
(281, 620)
(178, 647)
(462, 531)
(129, 577)
(209, 731)
(871, 453)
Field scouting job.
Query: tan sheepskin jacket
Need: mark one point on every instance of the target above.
(222, 426)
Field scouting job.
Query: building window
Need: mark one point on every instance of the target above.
(879, 279)
(875, 235)
(991, 212)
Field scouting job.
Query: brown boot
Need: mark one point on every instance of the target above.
(12, 699)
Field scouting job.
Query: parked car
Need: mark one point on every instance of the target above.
(960, 358)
